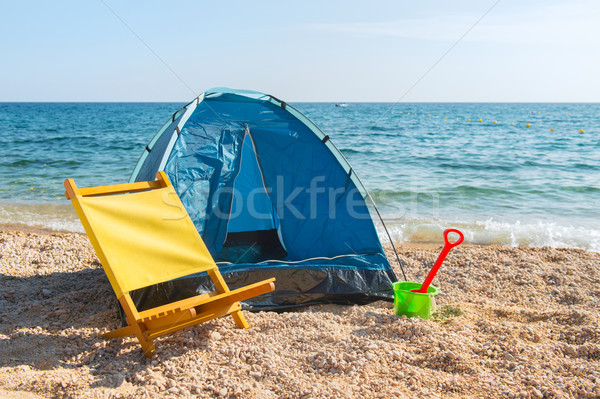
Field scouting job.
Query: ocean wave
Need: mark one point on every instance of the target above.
(42, 139)
(62, 217)
(353, 151)
(477, 166)
(21, 162)
(585, 166)
(581, 189)
(36, 163)
(52, 216)
(492, 232)
(479, 190)
(376, 128)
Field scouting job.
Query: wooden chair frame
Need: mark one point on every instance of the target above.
(162, 320)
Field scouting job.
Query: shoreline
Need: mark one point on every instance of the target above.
(24, 228)
(511, 322)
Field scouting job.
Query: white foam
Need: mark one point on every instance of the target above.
(532, 234)
(60, 217)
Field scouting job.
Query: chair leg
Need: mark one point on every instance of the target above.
(221, 287)
(121, 332)
(138, 329)
(147, 347)
(146, 344)
(240, 320)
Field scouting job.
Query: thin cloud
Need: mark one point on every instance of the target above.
(569, 23)
(423, 28)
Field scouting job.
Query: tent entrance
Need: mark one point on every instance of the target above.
(252, 231)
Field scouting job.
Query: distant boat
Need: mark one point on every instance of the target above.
(341, 105)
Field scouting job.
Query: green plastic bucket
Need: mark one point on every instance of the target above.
(413, 304)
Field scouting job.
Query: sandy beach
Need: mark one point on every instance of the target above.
(511, 322)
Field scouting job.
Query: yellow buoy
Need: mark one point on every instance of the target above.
(445, 117)
(428, 115)
(495, 122)
(512, 123)
(468, 120)
(528, 125)
(580, 130)
(479, 120)
(551, 129)
(415, 114)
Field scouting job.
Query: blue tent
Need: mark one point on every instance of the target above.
(271, 196)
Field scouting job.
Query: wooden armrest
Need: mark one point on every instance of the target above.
(209, 299)
(174, 307)
(249, 291)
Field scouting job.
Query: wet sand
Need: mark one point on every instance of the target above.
(511, 322)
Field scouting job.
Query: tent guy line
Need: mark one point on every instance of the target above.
(194, 92)
(387, 111)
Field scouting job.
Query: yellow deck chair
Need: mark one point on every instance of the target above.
(143, 236)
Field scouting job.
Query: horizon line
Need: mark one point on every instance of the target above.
(309, 102)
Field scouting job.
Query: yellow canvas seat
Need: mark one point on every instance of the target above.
(143, 236)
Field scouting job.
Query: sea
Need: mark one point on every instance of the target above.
(517, 174)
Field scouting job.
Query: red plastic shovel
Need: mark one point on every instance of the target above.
(447, 247)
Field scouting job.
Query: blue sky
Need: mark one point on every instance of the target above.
(301, 51)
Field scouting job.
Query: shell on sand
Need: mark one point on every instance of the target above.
(511, 322)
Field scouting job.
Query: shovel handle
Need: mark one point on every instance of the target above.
(449, 244)
(447, 247)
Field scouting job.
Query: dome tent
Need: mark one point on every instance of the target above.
(271, 196)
